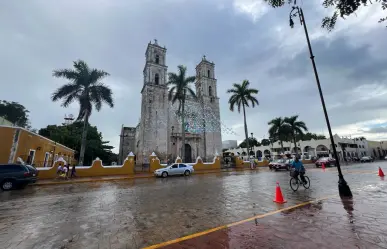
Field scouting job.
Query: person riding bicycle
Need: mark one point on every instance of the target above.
(299, 170)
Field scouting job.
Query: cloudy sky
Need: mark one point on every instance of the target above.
(245, 38)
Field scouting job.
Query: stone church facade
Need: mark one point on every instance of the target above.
(160, 129)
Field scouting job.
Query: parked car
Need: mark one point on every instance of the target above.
(355, 159)
(385, 158)
(327, 161)
(16, 175)
(366, 159)
(175, 169)
(280, 164)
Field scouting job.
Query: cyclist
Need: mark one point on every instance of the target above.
(299, 170)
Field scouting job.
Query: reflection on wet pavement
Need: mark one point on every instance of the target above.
(142, 212)
(332, 223)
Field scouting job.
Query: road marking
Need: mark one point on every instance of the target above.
(195, 235)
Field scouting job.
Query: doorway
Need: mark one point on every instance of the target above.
(31, 157)
(188, 153)
(46, 157)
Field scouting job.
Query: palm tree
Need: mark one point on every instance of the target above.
(279, 130)
(86, 88)
(180, 87)
(296, 128)
(241, 96)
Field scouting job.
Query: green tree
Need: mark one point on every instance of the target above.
(179, 90)
(279, 131)
(309, 136)
(15, 113)
(265, 142)
(251, 141)
(70, 136)
(241, 96)
(85, 87)
(296, 127)
(342, 8)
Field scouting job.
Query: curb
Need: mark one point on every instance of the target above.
(132, 177)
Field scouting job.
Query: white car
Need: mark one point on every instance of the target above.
(175, 169)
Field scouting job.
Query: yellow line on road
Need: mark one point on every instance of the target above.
(195, 235)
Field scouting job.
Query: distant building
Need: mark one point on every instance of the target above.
(377, 149)
(229, 144)
(345, 147)
(34, 149)
(127, 143)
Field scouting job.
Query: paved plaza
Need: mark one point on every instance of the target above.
(151, 212)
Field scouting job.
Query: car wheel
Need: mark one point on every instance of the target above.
(187, 173)
(164, 174)
(7, 185)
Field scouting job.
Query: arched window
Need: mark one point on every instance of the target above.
(157, 59)
(208, 74)
(210, 90)
(157, 79)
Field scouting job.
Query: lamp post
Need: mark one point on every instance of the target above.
(344, 189)
(252, 143)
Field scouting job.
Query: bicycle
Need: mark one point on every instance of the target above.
(295, 182)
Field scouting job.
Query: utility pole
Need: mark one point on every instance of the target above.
(344, 189)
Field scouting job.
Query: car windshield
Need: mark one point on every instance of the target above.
(280, 161)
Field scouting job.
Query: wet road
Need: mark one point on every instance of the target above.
(143, 212)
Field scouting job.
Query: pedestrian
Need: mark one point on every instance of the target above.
(73, 172)
(68, 170)
(59, 170)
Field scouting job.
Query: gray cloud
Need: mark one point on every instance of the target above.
(112, 35)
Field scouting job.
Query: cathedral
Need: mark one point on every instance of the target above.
(160, 129)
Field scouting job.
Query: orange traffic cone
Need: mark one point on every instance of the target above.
(278, 195)
(323, 166)
(381, 172)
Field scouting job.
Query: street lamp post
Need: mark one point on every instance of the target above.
(344, 189)
(252, 144)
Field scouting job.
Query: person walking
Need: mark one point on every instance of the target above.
(73, 172)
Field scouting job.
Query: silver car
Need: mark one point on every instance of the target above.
(175, 169)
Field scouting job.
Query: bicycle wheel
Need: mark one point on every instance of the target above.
(307, 184)
(294, 184)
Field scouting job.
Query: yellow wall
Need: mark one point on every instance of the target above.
(199, 165)
(6, 137)
(96, 169)
(30, 141)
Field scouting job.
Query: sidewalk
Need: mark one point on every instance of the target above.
(330, 223)
(122, 177)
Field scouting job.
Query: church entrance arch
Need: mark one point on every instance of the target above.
(188, 153)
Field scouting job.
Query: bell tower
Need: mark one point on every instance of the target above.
(207, 91)
(155, 69)
(154, 104)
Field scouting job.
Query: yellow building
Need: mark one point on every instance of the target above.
(31, 147)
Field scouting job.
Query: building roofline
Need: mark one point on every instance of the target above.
(36, 134)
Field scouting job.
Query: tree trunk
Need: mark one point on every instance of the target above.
(295, 145)
(84, 135)
(282, 147)
(183, 131)
(246, 133)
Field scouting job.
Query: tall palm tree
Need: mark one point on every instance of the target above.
(180, 89)
(241, 96)
(279, 130)
(86, 88)
(296, 128)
